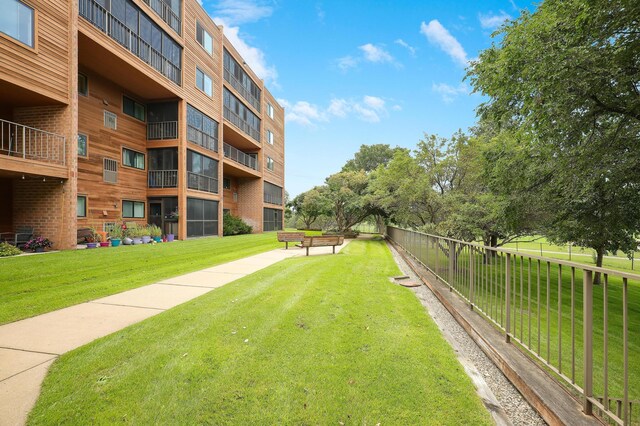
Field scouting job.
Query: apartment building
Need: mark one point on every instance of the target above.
(135, 110)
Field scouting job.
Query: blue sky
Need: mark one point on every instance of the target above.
(353, 72)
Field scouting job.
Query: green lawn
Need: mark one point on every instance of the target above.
(310, 340)
(33, 285)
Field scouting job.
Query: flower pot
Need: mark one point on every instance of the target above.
(170, 237)
(146, 239)
(137, 241)
(39, 250)
(104, 244)
(127, 241)
(92, 245)
(115, 242)
(157, 239)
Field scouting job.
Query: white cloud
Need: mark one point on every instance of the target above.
(374, 53)
(441, 37)
(492, 20)
(396, 108)
(411, 49)
(371, 109)
(449, 93)
(253, 56)
(237, 12)
(347, 62)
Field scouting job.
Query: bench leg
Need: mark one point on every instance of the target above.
(307, 251)
(334, 249)
(286, 245)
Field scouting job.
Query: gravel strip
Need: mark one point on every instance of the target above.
(516, 408)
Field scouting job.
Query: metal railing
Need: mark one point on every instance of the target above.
(102, 19)
(273, 199)
(199, 137)
(238, 156)
(587, 334)
(162, 130)
(17, 140)
(244, 92)
(202, 182)
(163, 178)
(241, 124)
(167, 14)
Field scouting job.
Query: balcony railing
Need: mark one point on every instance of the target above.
(273, 199)
(167, 14)
(241, 89)
(162, 130)
(240, 157)
(17, 140)
(202, 182)
(109, 24)
(241, 124)
(163, 179)
(199, 137)
(554, 309)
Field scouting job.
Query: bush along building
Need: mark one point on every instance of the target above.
(132, 110)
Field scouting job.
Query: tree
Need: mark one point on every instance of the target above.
(310, 205)
(349, 200)
(567, 77)
(369, 157)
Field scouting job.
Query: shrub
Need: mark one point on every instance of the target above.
(7, 249)
(233, 225)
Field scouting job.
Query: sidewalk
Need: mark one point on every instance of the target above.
(29, 347)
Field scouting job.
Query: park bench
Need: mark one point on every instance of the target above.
(322, 241)
(290, 237)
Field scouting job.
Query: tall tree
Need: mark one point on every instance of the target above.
(349, 200)
(310, 205)
(369, 157)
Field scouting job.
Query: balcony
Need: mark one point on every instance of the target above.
(167, 14)
(199, 137)
(163, 179)
(240, 157)
(18, 141)
(202, 183)
(273, 199)
(102, 19)
(237, 121)
(230, 78)
(162, 130)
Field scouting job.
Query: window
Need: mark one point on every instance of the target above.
(270, 137)
(133, 108)
(272, 220)
(270, 110)
(83, 85)
(110, 171)
(17, 21)
(270, 163)
(202, 172)
(240, 115)
(110, 120)
(226, 183)
(204, 38)
(272, 193)
(202, 129)
(81, 209)
(240, 80)
(132, 158)
(133, 209)
(82, 145)
(203, 82)
(202, 217)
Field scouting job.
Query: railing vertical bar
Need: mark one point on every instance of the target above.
(507, 302)
(529, 303)
(560, 318)
(548, 311)
(472, 267)
(573, 325)
(605, 336)
(521, 298)
(538, 306)
(587, 312)
(625, 353)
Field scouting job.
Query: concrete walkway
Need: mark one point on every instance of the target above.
(29, 347)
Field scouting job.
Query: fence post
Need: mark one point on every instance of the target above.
(507, 301)
(471, 277)
(452, 247)
(587, 313)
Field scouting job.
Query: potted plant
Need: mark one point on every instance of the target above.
(38, 244)
(103, 240)
(146, 234)
(155, 233)
(93, 238)
(173, 216)
(116, 235)
(136, 234)
(126, 235)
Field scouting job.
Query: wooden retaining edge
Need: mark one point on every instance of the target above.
(550, 399)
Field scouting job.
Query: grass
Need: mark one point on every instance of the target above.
(311, 340)
(489, 296)
(33, 285)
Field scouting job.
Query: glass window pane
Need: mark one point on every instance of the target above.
(17, 21)
(138, 210)
(82, 145)
(127, 209)
(81, 210)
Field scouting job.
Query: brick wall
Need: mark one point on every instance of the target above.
(250, 195)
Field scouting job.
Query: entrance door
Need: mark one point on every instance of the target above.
(155, 214)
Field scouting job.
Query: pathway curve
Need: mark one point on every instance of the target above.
(29, 347)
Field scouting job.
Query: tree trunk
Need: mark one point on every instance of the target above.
(599, 259)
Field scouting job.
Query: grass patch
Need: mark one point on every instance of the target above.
(312, 340)
(33, 285)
